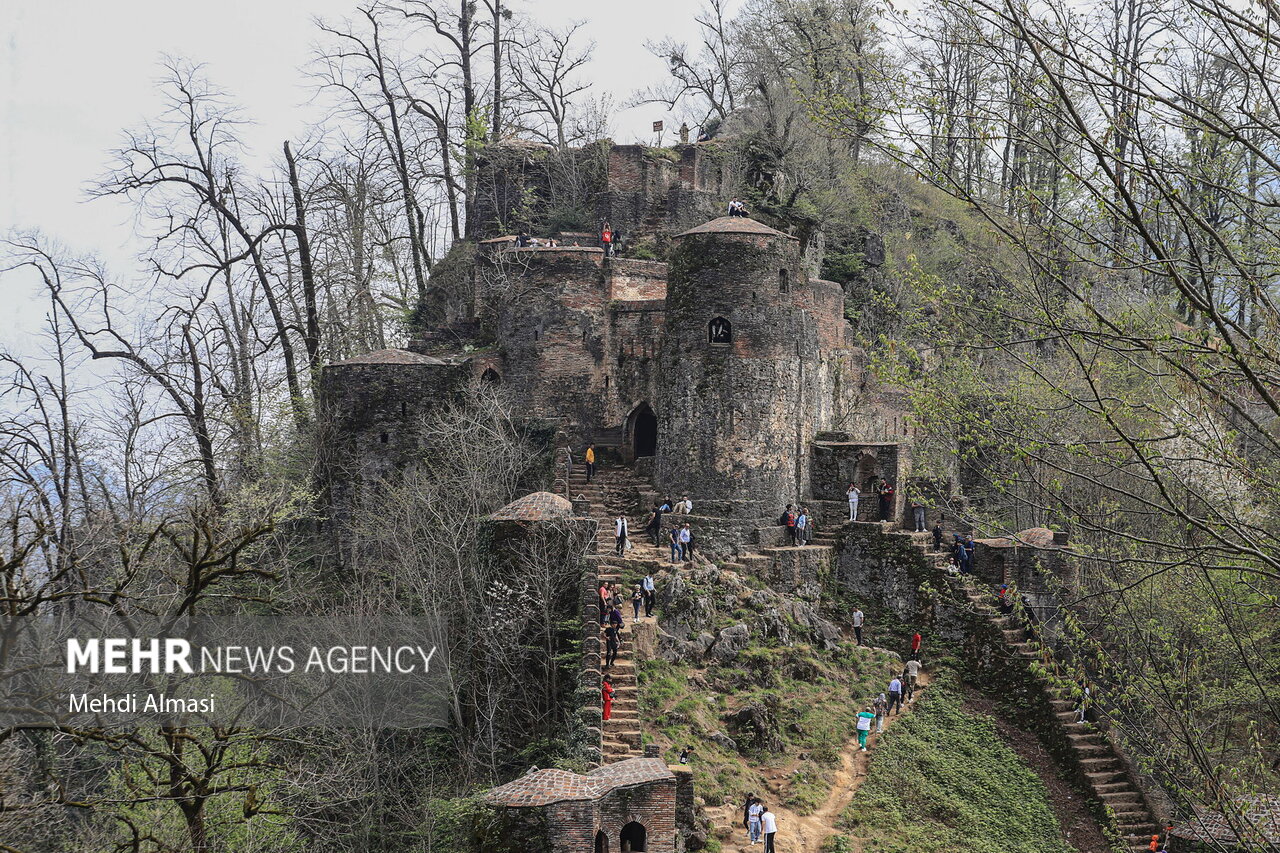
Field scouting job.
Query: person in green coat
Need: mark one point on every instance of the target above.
(865, 718)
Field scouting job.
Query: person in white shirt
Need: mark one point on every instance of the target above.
(895, 697)
(768, 823)
(684, 506)
(753, 820)
(685, 536)
(620, 534)
(857, 624)
(650, 595)
(913, 672)
(854, 494)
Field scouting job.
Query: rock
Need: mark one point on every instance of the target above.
(759, 722)
(873, 249)
(773, 625)
(723, 740)
(731, 641)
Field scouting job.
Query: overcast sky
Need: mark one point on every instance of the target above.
(75, 72)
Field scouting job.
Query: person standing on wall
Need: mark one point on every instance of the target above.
(606, 239)
(937, 535)
(768, 823)
(858, 619)
(686, 536)
(637, 601)
(853, 494)
(798, 532)
(650, 594)
(591, 462)
(885, 490)
(917, 513)
(620, 534)
(969, 548)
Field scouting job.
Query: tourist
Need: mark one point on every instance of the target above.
(789, 519)
(615, 616)
(654, 527)
(798, 532)
(809, 526)
(969, 547)
(895, 696)
(617, 243)
(880, 705)
(746, 812)
(1029, 619)
(865, 718)
(637, 601)
(853, 494)
(610, 645)
(961, 555)
(952, 567)
(620, 534)
(604, 602)
(606, 692)
(685, 753)
(522, 240)
(591, 462)
(755, 809)
(684, 506)
(650, 594)
(915, 646)
(769, 824)
(885, 490)
(917, 513)
(606, 239)
(568, 465)
(937, 535)
(913, 675)
(686, 540)
(1086, 695)
(858, 618)
(675, 546)
(690, 546)
(667, 505)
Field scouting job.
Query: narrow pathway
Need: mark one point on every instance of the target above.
(806, 833)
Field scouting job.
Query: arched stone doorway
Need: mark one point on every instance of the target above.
(490, 375)
(602, 842)
(643, 428)
(868, 472)
(632, 837)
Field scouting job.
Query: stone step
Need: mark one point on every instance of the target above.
(1103, 788)
(1116, 798)
(1106, 776)
(1098, 765)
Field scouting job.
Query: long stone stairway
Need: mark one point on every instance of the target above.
(1108, 778)
(617, 490)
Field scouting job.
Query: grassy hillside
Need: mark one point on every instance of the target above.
(944, 780)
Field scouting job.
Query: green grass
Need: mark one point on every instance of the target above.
(942, 779)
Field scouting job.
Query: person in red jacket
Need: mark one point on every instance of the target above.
(606, 693)
(915, 646)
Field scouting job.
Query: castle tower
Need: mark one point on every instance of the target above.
(738, 369)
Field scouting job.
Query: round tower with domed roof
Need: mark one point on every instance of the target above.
(738, 370)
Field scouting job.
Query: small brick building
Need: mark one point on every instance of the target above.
(626, 806)
(1253, 824)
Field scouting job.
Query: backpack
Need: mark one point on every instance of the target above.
(790, 520)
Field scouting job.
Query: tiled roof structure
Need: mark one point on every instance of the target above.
(538, 506)
(1259, 817)
(393, 356)
(633, 771)
(1034, 537)
(543, 787)
(734, 225)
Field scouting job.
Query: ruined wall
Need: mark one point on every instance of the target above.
(735, 417)
(369, 409)
(663, 189)
(838, 461)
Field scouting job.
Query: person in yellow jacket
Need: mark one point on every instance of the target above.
(591, 461)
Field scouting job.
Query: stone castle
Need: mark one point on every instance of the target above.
(722, 373)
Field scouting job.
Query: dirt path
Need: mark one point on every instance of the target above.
(805, 833)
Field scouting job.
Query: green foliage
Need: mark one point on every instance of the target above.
(942, 779)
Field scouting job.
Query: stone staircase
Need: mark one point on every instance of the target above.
(612, 491)
(1105, 771)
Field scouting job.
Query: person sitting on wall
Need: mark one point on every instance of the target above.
(522, 240)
